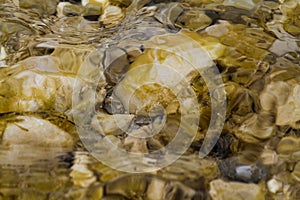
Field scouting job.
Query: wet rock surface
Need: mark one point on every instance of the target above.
(145, 60)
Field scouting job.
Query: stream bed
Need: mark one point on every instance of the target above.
(150, 99)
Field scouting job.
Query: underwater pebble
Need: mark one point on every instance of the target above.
(220, 189)
(217, 30)
(274, 185)
(112, 124)
(39, 6)
(296, 172)
(112, 16)
(36, 131)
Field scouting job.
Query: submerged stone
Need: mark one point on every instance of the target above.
(237, 171)
(149, 187)
(289, 148)
(41, 83)
(291, 9)
(81, 175)
(121, 3)
(68, 9)
(296, 172)
(112, 16)
(220, 189)
(275, 185)
(131, 92)
(112, 124)
(193, 20)
(39, 6)
(149, 63)
(35, 131)
(92, 11)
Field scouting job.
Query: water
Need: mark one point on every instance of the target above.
(109, 51)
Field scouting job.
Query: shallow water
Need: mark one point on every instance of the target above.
(91, 94)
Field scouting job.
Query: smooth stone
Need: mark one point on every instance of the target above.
(193, 20)
(81, 175)
(36, 131)
(169, 13)
(73, 10)
(269, 157)
(112, 124)
(191, 167)
(148, 187)
(116, 64)
(274, 185)
(218, 30)
(281, 47)
(243, 4)
(3, 55)
(25, 89)
(220, 189)
(288, 144)
(92, 9)
(60, 8)
(289, 148)
(296, 172)
(147, 68)
(253, 131)
(288, 111)
(156, 189)
(41, 6)
(112, 16)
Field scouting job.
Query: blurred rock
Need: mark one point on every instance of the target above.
(68, 9)
(80, 173)
(289, 148)
(275, 185)
(45, 82)
(36, 131)
(149, 187)
(112, 16)
(121, 3)
(168, 13)
(43, 7)
(220, 189)
(112, 124)
(194, 20)
(191, 168)
(92, 11)
(238, 171)
(269, 157)
(296, 172)
(116, 64)
(244, 4)
(291, 9)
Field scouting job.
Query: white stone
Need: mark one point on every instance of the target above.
(218, 30)
(274, 185)
(3, 55)
(281, 47)
(35, 131)
(244, 4)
